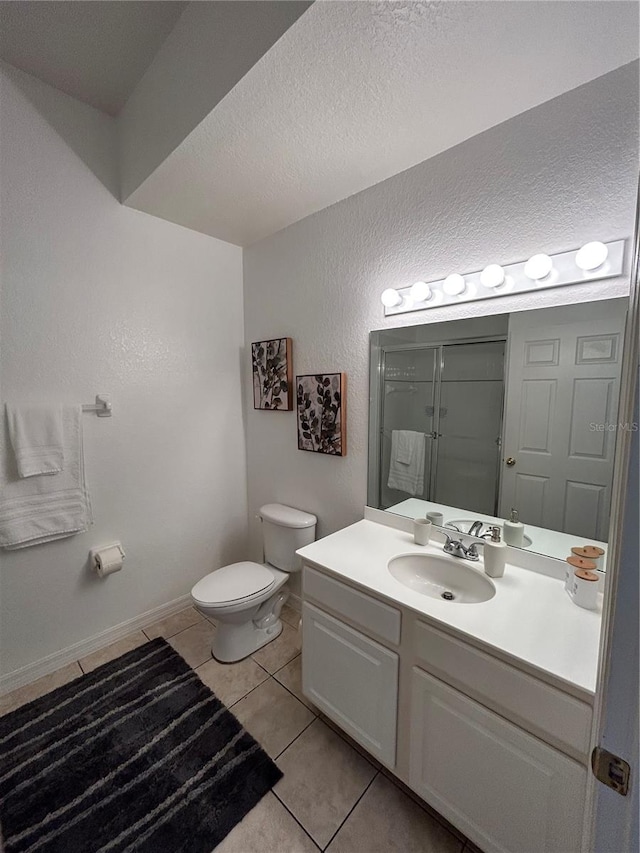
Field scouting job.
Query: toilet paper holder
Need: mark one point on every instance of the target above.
(107, 559)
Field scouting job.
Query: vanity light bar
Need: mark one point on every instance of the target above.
(592, 262)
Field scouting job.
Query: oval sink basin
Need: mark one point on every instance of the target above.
(438, 577)
(465, 523)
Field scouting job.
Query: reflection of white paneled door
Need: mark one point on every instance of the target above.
(560, 417)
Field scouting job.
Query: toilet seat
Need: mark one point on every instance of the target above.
(238, 582)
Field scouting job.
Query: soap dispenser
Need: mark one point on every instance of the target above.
(514, 530)
(495, 554)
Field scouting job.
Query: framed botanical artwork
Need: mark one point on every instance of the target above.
(272, 375)
(322, 413)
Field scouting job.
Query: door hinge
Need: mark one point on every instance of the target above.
(611, 770)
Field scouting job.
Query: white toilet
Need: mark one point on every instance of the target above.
(245, 599)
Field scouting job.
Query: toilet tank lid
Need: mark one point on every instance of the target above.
(287, 516)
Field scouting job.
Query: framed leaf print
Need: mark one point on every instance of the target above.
(322, 413)
(272, 375)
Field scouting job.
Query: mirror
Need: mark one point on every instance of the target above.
(475, 418)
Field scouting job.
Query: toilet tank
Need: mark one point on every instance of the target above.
(284, 530)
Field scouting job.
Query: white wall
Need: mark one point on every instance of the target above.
(101, 298)
(548, 180)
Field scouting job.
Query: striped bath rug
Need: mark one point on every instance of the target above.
(137, 755)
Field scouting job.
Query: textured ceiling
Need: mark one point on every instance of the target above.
(95, 51)
(242, 118)
(355, 92)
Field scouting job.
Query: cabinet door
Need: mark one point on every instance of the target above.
(352, 679)
(504, 788)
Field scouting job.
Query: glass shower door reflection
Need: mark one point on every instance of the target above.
(470, 425)
(408, 403)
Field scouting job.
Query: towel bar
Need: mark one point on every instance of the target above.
(102, 406)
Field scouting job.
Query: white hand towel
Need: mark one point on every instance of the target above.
(407, 477)
(40, 509)
(405, 445)
(36, 437)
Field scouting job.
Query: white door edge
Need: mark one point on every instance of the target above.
(613, 608)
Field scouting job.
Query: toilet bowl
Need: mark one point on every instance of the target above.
(245, 599)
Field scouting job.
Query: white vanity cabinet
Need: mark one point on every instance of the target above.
(498, 752)
(350, 675)
(501, 786)
(352, 679)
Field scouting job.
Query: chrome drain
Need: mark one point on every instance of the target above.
(448, 596)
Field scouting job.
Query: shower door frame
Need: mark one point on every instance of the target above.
(435, 398)
(377, 386)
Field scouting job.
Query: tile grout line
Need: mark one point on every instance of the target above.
(311, 711)
(373, 778)
(181, 631)
(287, 809)
(316, 715)
(361, 750)
(259, 665)
(282, 751)
(433, 813)
(248, 693)
(297, 655)
(344, 737)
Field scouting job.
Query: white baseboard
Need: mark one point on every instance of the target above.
(33, 671)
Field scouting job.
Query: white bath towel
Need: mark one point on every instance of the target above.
(40, 509)
(407, 476)
(36, 436)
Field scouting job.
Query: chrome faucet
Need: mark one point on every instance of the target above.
(476, 528)
(457, 548)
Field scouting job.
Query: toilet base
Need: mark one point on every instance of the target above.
(232, 642)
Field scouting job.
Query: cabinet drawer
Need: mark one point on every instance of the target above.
(546, 711)
(505, 789)
(353, 679)
(377, 618)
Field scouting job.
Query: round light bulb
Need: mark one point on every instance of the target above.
(454, 285)
(492, 276)
(390, 297)
(420, 291)
(591, 256)
(538, 267)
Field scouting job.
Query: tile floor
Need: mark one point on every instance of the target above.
(333, 797)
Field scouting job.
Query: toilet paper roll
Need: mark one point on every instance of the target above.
(108, 560)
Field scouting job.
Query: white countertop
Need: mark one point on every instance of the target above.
(530, 618)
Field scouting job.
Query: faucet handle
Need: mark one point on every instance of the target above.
(451, 544)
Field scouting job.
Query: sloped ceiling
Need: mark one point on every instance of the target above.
(94, 51)
(244, 117)
(356, 92)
